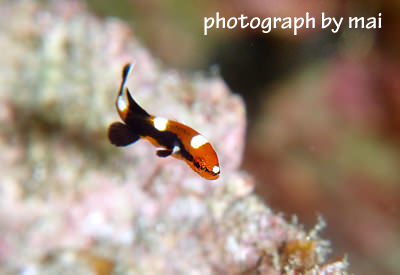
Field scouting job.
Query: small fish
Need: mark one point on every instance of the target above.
(171, 138)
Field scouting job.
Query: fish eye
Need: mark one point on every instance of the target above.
(197, 164)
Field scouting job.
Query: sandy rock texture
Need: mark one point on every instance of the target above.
(71, 203)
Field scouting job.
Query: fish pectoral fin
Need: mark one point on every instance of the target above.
(121, 135)
(163, 153)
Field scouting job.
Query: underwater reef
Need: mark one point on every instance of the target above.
(71, 203)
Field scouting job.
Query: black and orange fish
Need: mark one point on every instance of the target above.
(170, 137)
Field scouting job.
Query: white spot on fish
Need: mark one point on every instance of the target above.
(175, 149)
(121, 104)
(160, 123)
(198, 141)
(216, 169)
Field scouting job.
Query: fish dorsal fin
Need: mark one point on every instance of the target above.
(126, 105)
(134, 108)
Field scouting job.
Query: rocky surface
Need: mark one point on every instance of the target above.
(71, 203)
